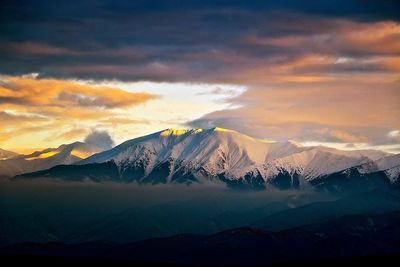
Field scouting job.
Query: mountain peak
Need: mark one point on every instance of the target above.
(219, 129)
(70, 145)
(13, 164)
(222, 155)
(5, 154)
(178, 132)
(295, 143)
(175, 132)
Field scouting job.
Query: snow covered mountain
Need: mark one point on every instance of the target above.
(300, 168)
(222, 155)
(210, 151)
(40, 160)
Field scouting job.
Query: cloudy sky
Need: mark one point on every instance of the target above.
(318, 72)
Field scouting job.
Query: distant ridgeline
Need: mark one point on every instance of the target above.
(223, 156)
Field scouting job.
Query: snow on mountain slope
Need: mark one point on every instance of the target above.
(5, 154)
(40, 160)
(388, 162)
(393, 174)
(369, 153)
(219, 151)
(214, 150)
(222, 155)
(317, 161)
(381, 164)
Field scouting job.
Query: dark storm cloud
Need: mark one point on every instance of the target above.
(160, 40)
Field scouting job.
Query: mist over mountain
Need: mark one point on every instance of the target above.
(44, 211)
(348, 239)
(163, 222)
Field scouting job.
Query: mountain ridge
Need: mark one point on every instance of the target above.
(223, 155)
(46, 158)
(6, 154)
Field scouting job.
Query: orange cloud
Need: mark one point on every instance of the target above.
(340, 135)
(42, 108)
(37, 49)
(344, 109)
(43, 49)
(392, 63)
(382, 37)
(340, 36)
(10, 117)
(61, 93)
(73, 134)
(331, 49)
(115, 121)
